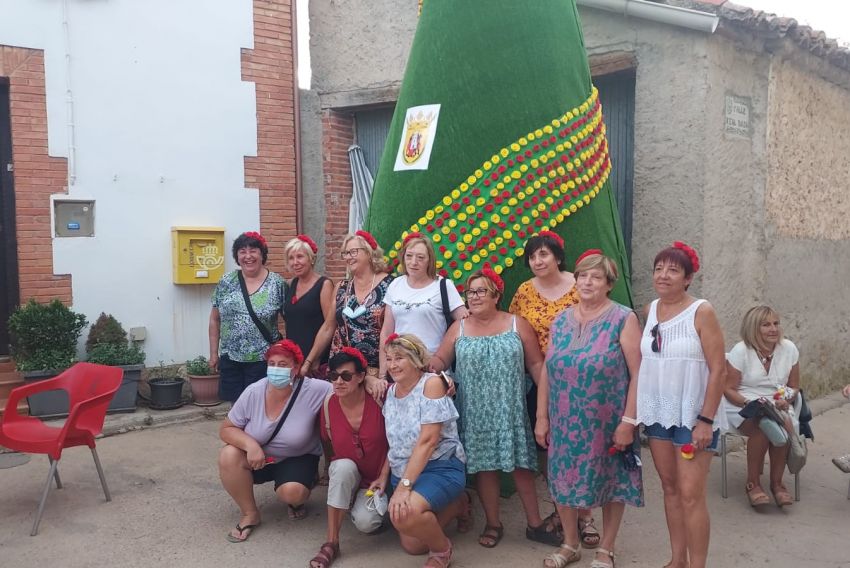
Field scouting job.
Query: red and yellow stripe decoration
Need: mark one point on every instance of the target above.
(533, 184)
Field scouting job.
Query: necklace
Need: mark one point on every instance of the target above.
(765, 359)
(368, 291)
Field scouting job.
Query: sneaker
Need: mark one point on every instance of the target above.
(842, 463)
(777, 435)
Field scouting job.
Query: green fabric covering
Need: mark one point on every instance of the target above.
(500, 69)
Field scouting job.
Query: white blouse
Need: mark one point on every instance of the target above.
(420, 310)
(672, 383)
(755, 381)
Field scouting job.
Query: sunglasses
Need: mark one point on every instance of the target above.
(346, 376)
(656, 339)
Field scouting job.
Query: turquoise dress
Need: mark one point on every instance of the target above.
(588, 385)
(494, 426)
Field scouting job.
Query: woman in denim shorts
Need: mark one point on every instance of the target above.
(680, 384)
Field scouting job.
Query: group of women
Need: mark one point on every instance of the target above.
(362, 375)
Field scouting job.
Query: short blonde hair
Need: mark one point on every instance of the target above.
(376, 256)
(590, 262)
(432, 257)
(411, 347)
(751, 326)
(295, 245)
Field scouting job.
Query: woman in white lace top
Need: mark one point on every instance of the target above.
(680, 384)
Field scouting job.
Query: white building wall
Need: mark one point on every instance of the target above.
(161, 123)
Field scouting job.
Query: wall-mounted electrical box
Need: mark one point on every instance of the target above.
(73, 218)
(197, 254)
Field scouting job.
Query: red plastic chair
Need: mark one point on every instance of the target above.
(90, 389)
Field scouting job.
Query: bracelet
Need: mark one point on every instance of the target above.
(629, 420)
(308, 360)
(705, 419)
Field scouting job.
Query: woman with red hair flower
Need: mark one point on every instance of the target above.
(309, 306)
(244, 316)
(680, 384)
(353, 426)
(492, 350)
(260, 448)
(360, 304)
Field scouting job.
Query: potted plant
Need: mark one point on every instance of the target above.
(107, 344)
(44, 343)
(203, 381)
(166, 388)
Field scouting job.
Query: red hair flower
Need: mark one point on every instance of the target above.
(489, 273)
(354, 352)
(286, 347)
(588, 252)
(413, 235)
(391, 338)
(370, 240)
(612, 451)
(310, 242)
(257, 237)
(692, 254)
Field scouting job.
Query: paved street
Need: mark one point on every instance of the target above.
(168, 509)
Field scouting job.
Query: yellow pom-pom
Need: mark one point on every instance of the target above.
(509, 262)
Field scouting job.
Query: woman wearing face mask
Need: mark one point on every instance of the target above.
(360, 305)
(414, 301)
(258, 451)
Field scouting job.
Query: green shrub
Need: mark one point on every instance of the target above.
(115, 354)
(44, 336)
(199, 366)
(106, 330)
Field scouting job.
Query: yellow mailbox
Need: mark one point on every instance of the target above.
(197, 254)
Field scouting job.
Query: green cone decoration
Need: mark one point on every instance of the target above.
(497, 135)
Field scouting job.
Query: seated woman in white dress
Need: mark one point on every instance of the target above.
(763, 365)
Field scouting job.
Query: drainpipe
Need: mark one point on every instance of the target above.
(69, 100)
(672, 15)
(296, 111)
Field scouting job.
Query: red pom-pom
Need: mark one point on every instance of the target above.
(585, 254)
(370, 240)
(354, 352)
(490, 274)
(413, 235)
(257, 237)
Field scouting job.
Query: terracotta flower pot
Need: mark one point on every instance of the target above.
(204, 389)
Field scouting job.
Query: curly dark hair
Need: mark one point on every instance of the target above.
(243, 241)
(537, 242)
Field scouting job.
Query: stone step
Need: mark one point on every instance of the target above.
(9, 380)
(6, 365)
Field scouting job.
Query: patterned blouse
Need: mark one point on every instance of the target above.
(363, 330)
(239, 338)
(539, 311)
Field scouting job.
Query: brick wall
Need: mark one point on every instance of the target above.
(337, 136)
(37, 175)
(273, 170)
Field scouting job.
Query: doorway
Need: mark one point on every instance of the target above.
(9, 293)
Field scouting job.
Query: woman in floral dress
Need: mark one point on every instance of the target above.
(594, 352)
(493, 349)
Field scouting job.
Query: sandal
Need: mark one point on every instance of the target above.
(781, 495)
(558, 559)
(328, 552)
(546, 533)
(241, 530)
(297, 512)
(491, 536)
(554, 519)
(466, 518)
(588, 532)
(756, 495)
(442, 559)
(598, 563)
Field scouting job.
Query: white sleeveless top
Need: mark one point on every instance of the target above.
(672, 383)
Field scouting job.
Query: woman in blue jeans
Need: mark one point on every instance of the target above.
(426, 456)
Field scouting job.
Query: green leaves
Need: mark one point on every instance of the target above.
(44, 336)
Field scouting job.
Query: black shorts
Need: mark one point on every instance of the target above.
(300, 469)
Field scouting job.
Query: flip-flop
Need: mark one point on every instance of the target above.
(297, 513)
(241, 529)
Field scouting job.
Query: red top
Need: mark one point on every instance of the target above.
(372, 438)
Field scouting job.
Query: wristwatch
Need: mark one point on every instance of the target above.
(405, 483)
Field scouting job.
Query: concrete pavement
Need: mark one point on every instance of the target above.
(168, 509)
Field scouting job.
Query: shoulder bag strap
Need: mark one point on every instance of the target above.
(444, 296)
(285, 412)
(327, 415)
(263, 329)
